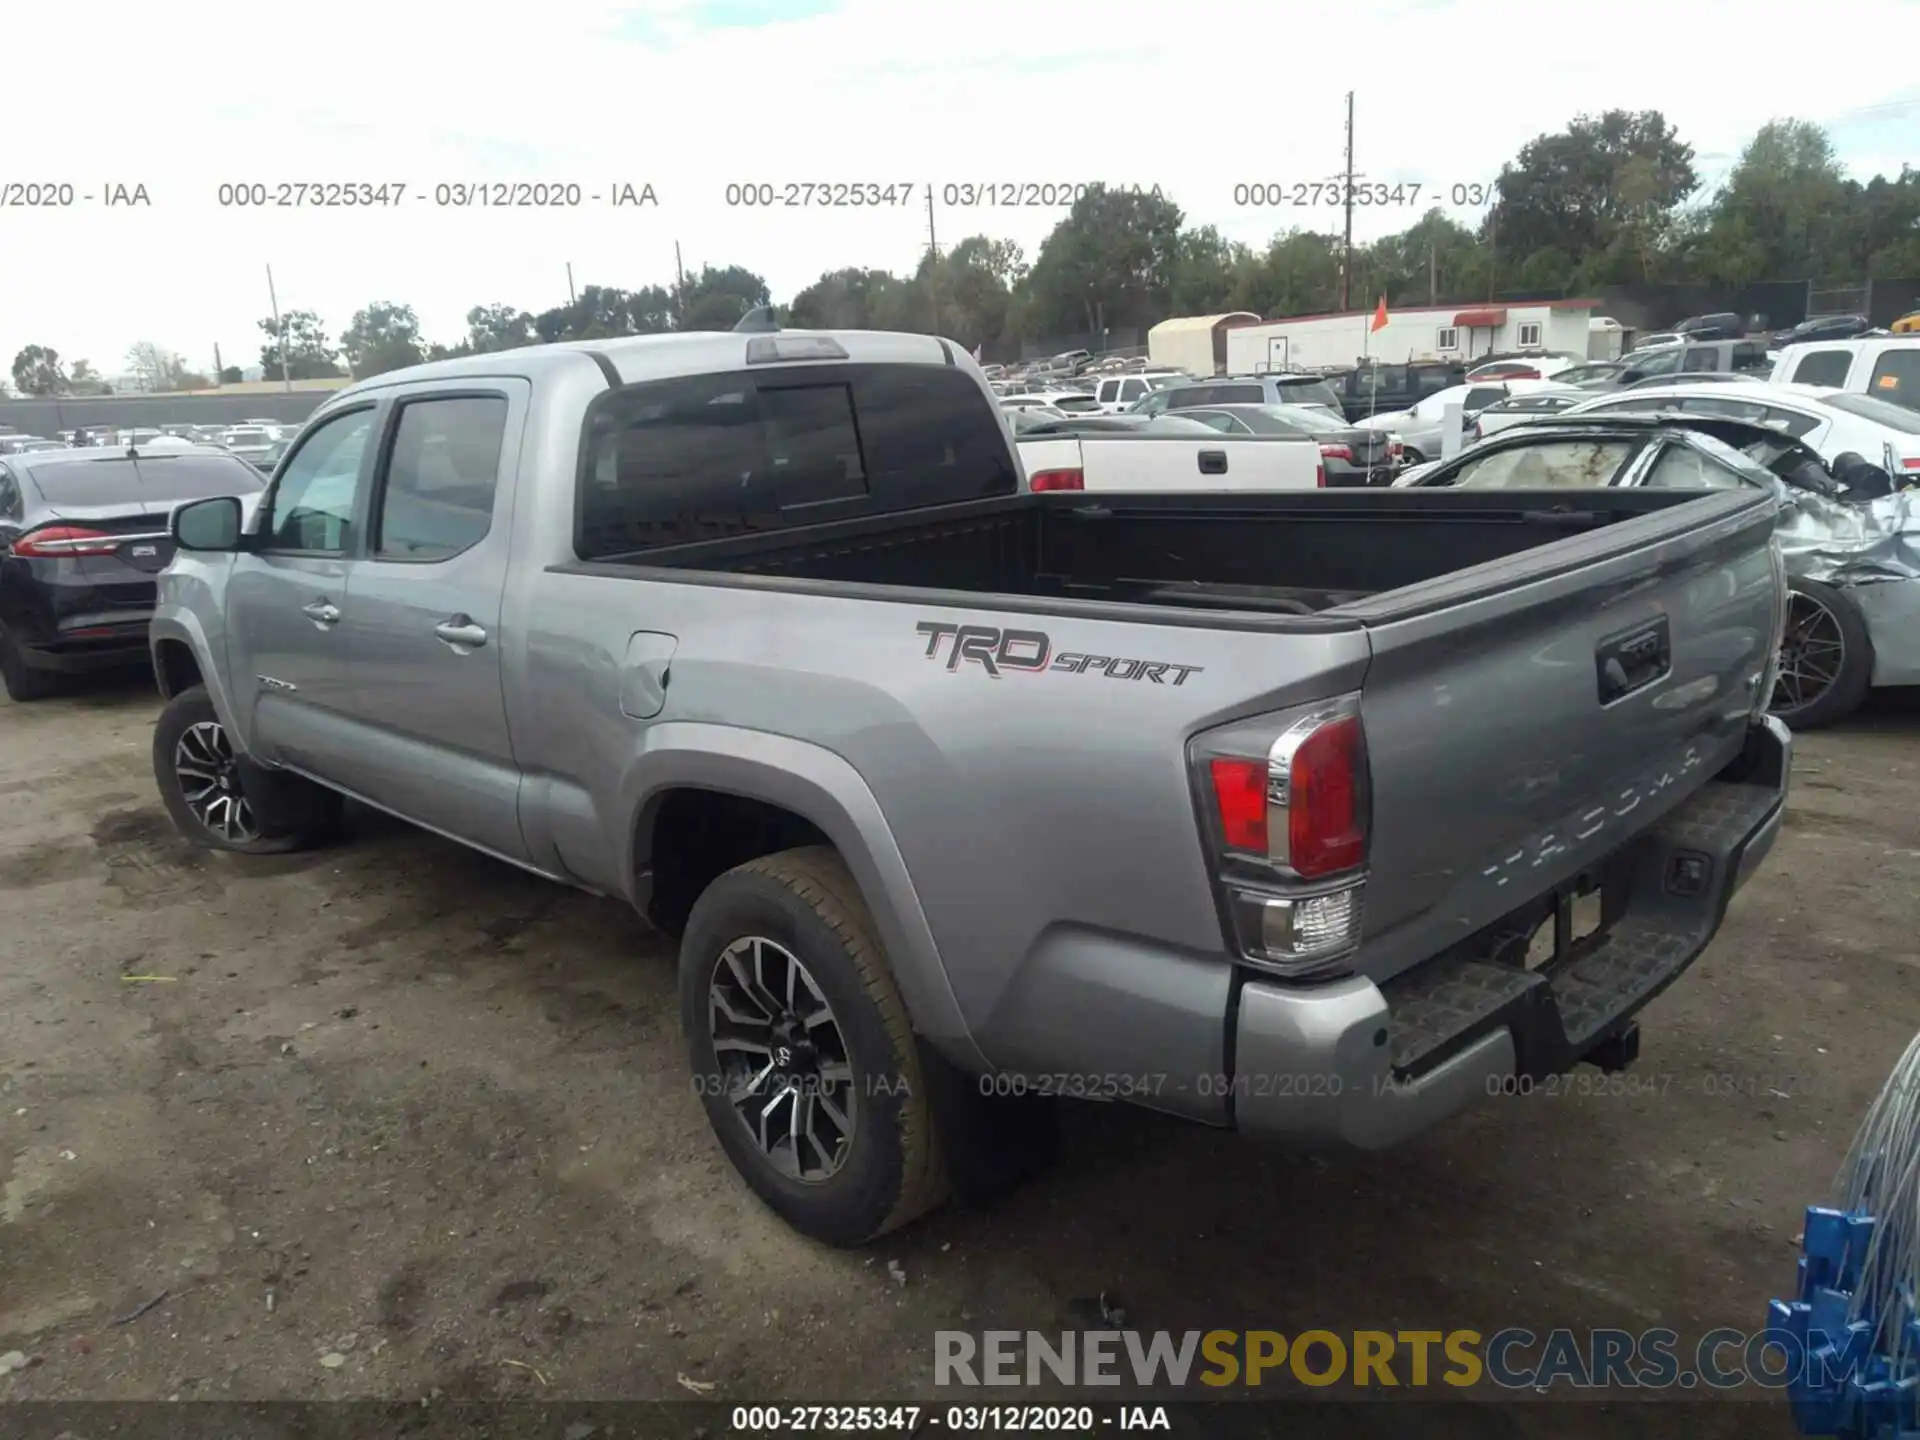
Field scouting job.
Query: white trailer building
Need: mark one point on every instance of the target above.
(1196, 344)
(1426, 332)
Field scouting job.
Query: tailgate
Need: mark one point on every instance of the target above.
(1526, 717)
(1182, 462)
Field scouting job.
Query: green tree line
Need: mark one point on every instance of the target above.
(1613, 199)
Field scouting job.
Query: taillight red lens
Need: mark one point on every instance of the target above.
(1326, 811)
(52, 542)
(1336, 452)
(1319, 477)
(1057, 480)
(1240, 795)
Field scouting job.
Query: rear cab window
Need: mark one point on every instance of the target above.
(701, 457)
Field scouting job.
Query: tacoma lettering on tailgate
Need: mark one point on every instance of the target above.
(1029, 651)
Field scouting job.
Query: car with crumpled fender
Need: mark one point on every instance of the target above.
(1849, 534)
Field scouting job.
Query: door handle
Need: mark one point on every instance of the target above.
(323, 613)
(461, 633)
(1213, 462)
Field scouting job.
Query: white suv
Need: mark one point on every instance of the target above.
(1118, 393)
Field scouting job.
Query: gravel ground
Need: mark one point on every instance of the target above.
(392, 1119)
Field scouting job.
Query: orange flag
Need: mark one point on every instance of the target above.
(1379, 316)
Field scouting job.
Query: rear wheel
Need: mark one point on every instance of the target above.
(218, 799)
(802, 1051)
(23, 682)
(1826, 658)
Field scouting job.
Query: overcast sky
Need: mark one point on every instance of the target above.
(690, 95)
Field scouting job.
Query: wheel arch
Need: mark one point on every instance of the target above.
(792, 793)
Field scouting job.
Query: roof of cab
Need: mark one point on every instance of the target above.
(636, 358)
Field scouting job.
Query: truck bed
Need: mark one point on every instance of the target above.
(1265, 554)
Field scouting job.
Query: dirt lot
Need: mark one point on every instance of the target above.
(398, 1104)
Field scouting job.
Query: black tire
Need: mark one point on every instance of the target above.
(23, 682)
(1818, 617)
(1411, 457)
(892, 1170)
(289, 812)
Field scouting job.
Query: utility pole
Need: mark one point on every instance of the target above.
(217, 366)
(1346, 246)
(933, 270)
(679, 287)
(1493, 252)
(280, 327)
(572, 299)
(1433, 273)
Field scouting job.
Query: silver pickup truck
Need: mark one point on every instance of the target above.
(1250, 808)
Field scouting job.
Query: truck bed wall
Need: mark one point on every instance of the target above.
(1323, 548)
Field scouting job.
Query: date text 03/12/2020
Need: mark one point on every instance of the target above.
(889, 191)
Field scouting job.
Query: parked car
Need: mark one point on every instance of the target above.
(1237, 847)
(1517, 409)
(1853, 614)
(1349, 454)
(1594, 375)
(1723, 325)
(1888, 369)
(1693, 357)
(1695, 377)
(1271, 389)
(1522, 367)
(1908, 324)
(1422, 427)
(83, 533)
(1829, 422)
(249, 442)
(1823, 327)
(1381, 389)
(1117, 393)
(26, 444)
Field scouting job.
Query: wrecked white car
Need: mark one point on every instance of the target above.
(1849, 534)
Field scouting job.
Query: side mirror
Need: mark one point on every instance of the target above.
(211, 525)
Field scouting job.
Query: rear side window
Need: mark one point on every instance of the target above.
(1133, 390)
(1882, 412)
(1481, 397)
(705, 456)
(1681, 467)
(441, 477)
(1307, 392)
(1822, 367)
(1896, 378)
(1701, 357)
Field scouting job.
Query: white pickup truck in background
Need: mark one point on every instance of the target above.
(1100, 460)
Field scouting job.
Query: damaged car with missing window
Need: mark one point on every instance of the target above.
(1849, 532)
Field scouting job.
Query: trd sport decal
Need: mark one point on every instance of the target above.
(1027, 651)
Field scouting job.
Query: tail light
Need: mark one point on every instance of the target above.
(1522, 375)
(1057, 480)
(1336, 452)
(51, 542)
(1320, 476)
(1474, 431)
(1288, 815)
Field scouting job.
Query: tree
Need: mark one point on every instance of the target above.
(715, 299)
(383, 336)
(309, 354)
(1785, 211)
(232, 375)
(37, 371)
(850, 299)
(1602, 187)
(497, 327)
(1110, 262)
(159, 368)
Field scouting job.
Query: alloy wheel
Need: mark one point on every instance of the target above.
(208, 773)
(1813, 651)
(782, 1058)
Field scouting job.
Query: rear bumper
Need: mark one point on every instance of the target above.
(1369, 1065)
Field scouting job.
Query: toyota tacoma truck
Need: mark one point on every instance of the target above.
(1251, 808)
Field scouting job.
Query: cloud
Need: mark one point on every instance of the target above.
(692, 95)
